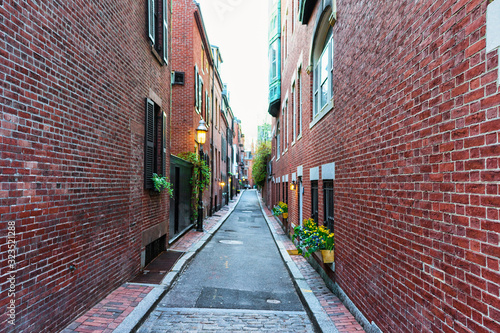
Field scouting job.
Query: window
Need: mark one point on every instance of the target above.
(286, 121)
(278, 146)
(328, 203)
(198, 91)
(155, 143)
(158, 27)
(207, 108)
(196, 87)
(202, 58)
(314, 200)
(273, 61)
(283, 188)
(285, 125)
(323, 74)
(299, 102)
(286, 193)
(215, 113)
(294, 117)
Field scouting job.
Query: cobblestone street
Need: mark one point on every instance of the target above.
(217, 320)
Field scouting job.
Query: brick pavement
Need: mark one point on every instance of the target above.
(343, 320)
(105, 316)
(111, 311)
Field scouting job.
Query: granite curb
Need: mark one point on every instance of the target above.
(316, 312)
(133, 321)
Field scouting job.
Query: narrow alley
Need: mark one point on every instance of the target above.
(264, 165)
(237, 282)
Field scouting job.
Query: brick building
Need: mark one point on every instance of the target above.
(199, 94)
(387, 117)
(85, 98)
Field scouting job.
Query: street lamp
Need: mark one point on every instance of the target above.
(201, 137)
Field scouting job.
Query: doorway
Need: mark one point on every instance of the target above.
(301, 198)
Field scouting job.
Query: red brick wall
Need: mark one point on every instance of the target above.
(187, 45)
(414, 135)
(74, 82)
(185, 42)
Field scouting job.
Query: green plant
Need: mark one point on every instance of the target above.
(162, 183)
(312, 237)
(259, 168)
(280, 208)
(195, 181)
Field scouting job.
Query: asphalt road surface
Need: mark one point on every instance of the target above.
(237, 282)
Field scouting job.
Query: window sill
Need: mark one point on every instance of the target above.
(299, 137)
(326, 109)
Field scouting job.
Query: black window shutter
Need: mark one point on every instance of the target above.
(164, 146)
(151, 20)
(196, 82)
(149, 144)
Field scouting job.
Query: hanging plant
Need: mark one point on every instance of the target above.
(161, 183)
(196, 183)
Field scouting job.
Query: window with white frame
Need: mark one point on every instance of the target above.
(299, 101)
(273, 60)
(285, 126)
(294, 113)
(207, 108)
(278, 142)
(158, 16)
(323, 74)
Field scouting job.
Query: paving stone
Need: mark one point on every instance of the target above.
(174, 320)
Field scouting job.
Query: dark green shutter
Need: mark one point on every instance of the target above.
(149, 144)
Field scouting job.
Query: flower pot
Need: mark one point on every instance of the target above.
(285, 215)
(328, 256)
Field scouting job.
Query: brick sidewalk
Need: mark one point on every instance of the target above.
(343, 320)
(105, 316)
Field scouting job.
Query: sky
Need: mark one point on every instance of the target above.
(239, 29)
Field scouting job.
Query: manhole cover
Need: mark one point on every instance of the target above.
(229, 230)
(230, 242)
(273, 301)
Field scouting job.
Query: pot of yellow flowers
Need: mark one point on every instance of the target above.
(312, 238)
(281, 209)
(328, 244)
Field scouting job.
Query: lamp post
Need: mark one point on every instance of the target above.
(201, 137)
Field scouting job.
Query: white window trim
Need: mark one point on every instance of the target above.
(321, 114)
